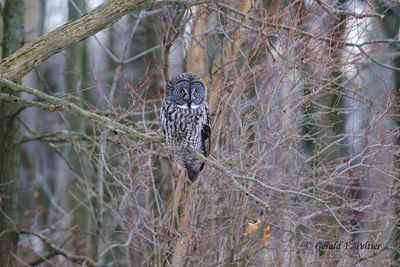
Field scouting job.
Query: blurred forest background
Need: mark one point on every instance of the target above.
(304, 98)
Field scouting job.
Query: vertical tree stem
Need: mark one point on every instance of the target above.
(13, 38)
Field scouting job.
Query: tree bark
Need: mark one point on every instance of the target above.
(13, 17)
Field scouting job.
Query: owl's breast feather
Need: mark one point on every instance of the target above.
(182, 126)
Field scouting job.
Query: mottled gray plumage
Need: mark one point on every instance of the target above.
(184, 120)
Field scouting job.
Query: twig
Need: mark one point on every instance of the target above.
(56, 104)
(300, 31)
(376, 61)
(59, 251)
(59, 136)
(142, 54)
(338, 12)
(34, 53)
(228, 174)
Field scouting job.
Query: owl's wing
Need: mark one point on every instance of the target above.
(206, 141)
(162, 117)
(206, 137)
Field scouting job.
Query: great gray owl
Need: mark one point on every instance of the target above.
(185, 121)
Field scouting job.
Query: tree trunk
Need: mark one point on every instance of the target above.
(13, 17)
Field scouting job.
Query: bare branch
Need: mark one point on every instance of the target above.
(232, 177)
(56, 104)
(33, 54)
(59, 251)
(337, 12)
(59, 136)
(300, 31)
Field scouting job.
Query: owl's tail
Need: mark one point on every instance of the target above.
(192, 174)
(193, 167)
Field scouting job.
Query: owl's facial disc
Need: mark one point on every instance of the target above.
(188, 94)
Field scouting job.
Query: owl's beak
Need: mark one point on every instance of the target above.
(191, 100)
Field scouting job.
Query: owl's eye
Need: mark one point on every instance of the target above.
(182, 92)
(195, 92)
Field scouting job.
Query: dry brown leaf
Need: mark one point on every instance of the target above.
(266, 235)
(253, 227)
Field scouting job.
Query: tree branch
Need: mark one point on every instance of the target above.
(33, 54)
(55, 104)
(289, 28)
(59, 251)
(339, 12)
(54, 137)
(233, 177)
